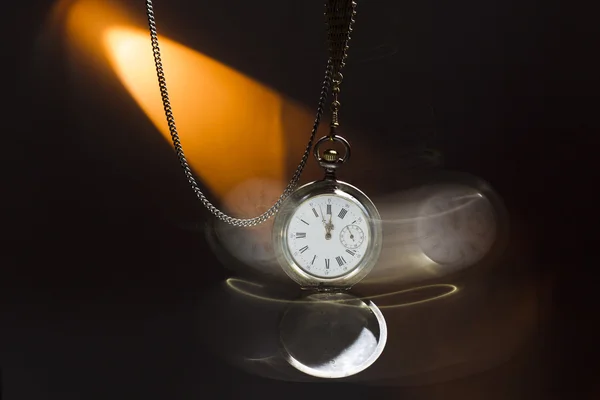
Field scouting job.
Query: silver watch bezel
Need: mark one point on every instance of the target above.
(280, 235)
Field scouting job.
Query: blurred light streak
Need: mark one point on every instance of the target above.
(237, 284)
(407, 218)
(404, 216)
(230, 125)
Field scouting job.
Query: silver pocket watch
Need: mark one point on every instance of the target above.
(327, 235)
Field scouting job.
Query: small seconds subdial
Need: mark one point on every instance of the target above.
(352, 236)
(315, 231)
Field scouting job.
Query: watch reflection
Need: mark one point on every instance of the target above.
(418, 335)
(332, 335)
(295, 335)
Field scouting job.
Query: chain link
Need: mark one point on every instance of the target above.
(337, 31)
(339, 15)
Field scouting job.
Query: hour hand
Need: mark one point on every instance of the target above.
(328, 228)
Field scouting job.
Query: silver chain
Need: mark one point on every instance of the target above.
(334, 63)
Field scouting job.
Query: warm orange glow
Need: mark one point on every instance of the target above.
(230, 126)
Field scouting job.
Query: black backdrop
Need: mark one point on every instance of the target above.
(97, 304)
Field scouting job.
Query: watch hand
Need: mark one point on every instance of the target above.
(328, 228)
(322, 215)
(325, 224)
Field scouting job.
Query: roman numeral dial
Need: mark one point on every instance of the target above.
(328, 235)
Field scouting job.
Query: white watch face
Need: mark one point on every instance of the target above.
(328, 235)
(457, 228)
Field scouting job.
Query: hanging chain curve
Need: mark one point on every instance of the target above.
(333, 63)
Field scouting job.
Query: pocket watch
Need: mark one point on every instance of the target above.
(327, 234)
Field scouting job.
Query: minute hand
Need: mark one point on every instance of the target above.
(322, 216)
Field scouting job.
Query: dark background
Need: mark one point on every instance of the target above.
(99, 285)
